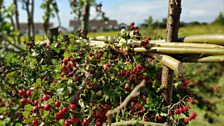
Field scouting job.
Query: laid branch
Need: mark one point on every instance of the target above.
(80, 88)
(166, 50)
(213, 39)
(169, 61)
(137, 123)
(135, 92)
(103, 38)
(175, 44)
(207, 59)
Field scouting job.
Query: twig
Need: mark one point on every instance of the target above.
(80, 88)
(135, 92)
(174, 105)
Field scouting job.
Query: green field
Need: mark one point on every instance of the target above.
(160, 33)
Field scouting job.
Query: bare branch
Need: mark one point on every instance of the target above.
(135, 92)
(80, 89)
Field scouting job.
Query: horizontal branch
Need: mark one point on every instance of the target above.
(137, 123)
(175, 44)
(169, 61)
(169, 50)
(103, 38)
(213, 39)
(207, 59)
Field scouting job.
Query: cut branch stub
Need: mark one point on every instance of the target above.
(170, 62)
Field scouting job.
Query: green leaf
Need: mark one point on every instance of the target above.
(45, 114)
(19, 124)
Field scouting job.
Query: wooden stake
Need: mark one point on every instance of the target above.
(173, 19)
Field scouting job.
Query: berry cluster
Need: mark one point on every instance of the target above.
(25, 96)
(191, 117)
(146, 42)
(181, 110)
(68, 67)
(134, 28)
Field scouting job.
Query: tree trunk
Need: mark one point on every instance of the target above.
(17, 27)
(173, 19)
(13, 26)
(32, 20)
(46, 18)
(85, 17)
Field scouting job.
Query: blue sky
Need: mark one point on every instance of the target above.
(136, 10)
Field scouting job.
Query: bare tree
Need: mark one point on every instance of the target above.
(49, 7)
(17, 27)
(85, 17)
(28, 5)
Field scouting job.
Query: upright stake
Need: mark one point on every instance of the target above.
(173, 19)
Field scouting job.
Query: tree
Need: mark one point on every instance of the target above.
(81, 9)
(28, 6)
(17, 27)
(219, 19)
(149, 22)
(50, 6)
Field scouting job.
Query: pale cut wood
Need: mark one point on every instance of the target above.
(169, 50)
(176, 44)
(137, 123)
(208, 59)
(103, 38)
(170, 62)
(214, 39)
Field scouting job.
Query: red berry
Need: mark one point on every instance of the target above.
(23, 101)
(68, 65)
(176, 111)
(145, 119)
(75, 78)
(85, 122)
(152, 117)
(132, 23)
(181, 110)
(159, 119)
(98, 124)
(35, 109)
(193, 115)
(20, 116)
(59, 116)
(35, 122)
(75, 120)
(72, 106)
(66, 123)
(35, 103)
(28, 93)
(185, 108)
(64, 110)
(46, 97)
(47, 107)
(21, 93)
(57, 103)
(191, 101)
(132, 27)
(186, 121)
(65, 61)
